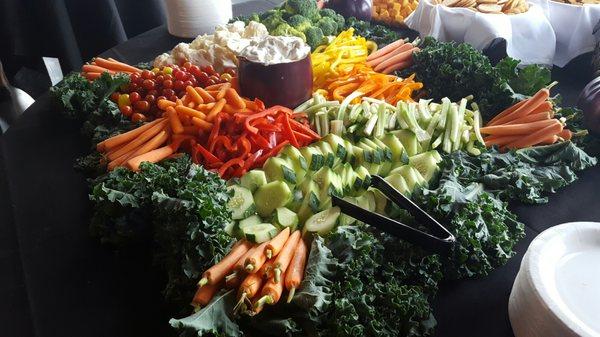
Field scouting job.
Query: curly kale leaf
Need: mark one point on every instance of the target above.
(526, 80)
(181, 204)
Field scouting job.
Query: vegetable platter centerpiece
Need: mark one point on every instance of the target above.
(228, 152)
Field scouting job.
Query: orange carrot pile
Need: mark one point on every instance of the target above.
(99, 65)
(395, 56)
(362, 81)
(262, 283)
(527, 123)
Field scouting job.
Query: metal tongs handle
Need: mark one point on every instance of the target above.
(441, 243)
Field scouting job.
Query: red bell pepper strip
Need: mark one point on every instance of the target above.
(226, 141)
(230, 163)
(209, 157)
(260, 141)
(245, 145)
(304, 129)
(289, 133)
(273, 152)
(269, 112)
(215, 130)
(302, 137)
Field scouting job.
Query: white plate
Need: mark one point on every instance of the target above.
(557, 289)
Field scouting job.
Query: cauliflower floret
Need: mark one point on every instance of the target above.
(255, 29)
(163, 60)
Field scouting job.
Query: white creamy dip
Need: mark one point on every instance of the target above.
(270, 50)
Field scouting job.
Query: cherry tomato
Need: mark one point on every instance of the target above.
(193, 81)
(178, 85)
(138, 117)
(168, 77)
(230, 71)
(160, 97)
(209, 70)
(147, 74)
(148, 84)
(187, 84)
(168, 92)
(133, 87)
(172, 98)
(152, 92)
(134, 96)
(195, 70)
(167, 84)
(115, 97)
(203, 77)
(178, 74)
(150, 98)
(159, 78)
(141, 106)
(187, 65)
(134, 78)
(215, 78)
(126, 110)
(210, 82)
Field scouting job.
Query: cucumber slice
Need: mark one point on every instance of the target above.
(337, 144)
(349, 151)
(330, 158)
(367, 201)
(260, 232)
(398, 182)
(241, 203)
(375, 153)
(249, 221)
(395, 146)
(380, 201)
(425, 163)
(412, 177)
(323, 222)
(386, 166)
(279, 169)
(363, 174)
(314, 157)
(285, 218)
(408, 140)
(436, 155)
(253, 180)
(270, 196)
(295, 157)
(310, 206)
(230, 228)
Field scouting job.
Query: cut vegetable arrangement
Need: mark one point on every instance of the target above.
(266, 253)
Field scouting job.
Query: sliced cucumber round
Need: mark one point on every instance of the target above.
(285, 218)
(323, 222)
(425, 163)
(253, 179)
(249, 221)
(270, 196)
(241, 203)
(260, 233)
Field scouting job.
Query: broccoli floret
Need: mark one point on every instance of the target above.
(314, 37)
(339, 19)
(299, 22)
(253, 17)
(272, 21)
(328, 26)
(306, 8)
(286, 30)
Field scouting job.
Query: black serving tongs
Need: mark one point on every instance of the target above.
(440, 242)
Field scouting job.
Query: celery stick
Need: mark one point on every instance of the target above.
(370, 124)
(445, 111)
(354, 112)
(346, 102)
(320, 106)
(458, 121)
(337, 127)
(380, 121)
(450, 120)
(477, 125)
(424, 109)
(437, 141)
(304, 105)
(392, 120)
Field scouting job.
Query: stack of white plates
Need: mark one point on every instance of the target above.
(190, 18)
(557, 289)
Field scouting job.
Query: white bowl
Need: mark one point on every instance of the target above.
(557, 289)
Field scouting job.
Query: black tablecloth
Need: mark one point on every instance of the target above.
(55, 280)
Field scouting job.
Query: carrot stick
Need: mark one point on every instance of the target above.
(163, 104)
(295, 272)
(395, 59)
(205, 95)
(129, 135)
(176, 125)
(390, 47)
(216, 109)
(90, 68)
(274, 246)
(270, 293)
(376, 61)
(202, 124)
(91, 76)
(232, 97)
(116, 65)
(190, 112)
(536, 137)
(215, 86)
(194, 95)
(141, 139)
(205, 294)
(216, 273)
(526, 108)
(153, 156)
(256, 260)
(516, 129)
(285, 256)
(153, 143)
(540, 116)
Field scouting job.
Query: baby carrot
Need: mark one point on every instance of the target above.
(194, 95)
(206, 97)
(234, 99)
(202, 124)
(217, 272)
(182, 109)
(270, 293)
(204, 295)
(153, 156)
(274, 246)
(255, 261)
(129, 135)
(215, 86)
(163, 104)
(216, 109)
(285, 256)
(241, 262)
(152, 144)
(248, 289)
(176, 125)
(295, 272)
